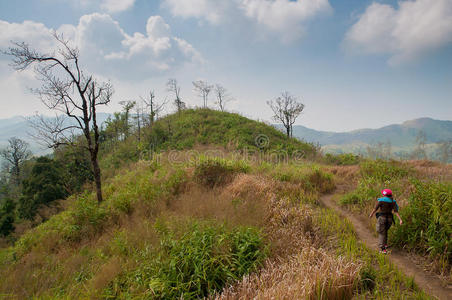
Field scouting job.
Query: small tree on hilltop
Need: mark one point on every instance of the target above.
(67, 89)
(203, 89)
(156, 108)
(173, 87)
(286, 110)
(222, 96)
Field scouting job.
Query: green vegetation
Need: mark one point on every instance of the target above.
(6, 216)
(216, 171)
(344, 159)
(199, 262)
(425, 207)
(194, 225)
(428, 221)
(194, 127)
(43, 186)
(379, 278)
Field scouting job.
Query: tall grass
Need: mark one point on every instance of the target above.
(378, 277)
(427, 221)
(425, 207)
(200, 261)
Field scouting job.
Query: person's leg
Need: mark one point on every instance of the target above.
(382, 233)
(387, 226)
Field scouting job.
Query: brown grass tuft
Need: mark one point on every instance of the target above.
(106, 274)
(311, 274)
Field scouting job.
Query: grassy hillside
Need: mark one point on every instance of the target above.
(197, 128)
(198, 227)
(167, 231)
(210, 127)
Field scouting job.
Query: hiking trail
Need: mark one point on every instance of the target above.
(429, 283)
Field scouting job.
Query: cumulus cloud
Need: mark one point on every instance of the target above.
(105, 48)
(211, 10)
(114, 6)
(36, 33)
(406, 33)
(283, 16)
(286, 18)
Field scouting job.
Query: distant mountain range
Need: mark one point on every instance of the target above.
(20, 127)
(401, 137)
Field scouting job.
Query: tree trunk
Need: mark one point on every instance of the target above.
(97, 178)
(288, 131)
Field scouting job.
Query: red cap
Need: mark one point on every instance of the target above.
(386, 192)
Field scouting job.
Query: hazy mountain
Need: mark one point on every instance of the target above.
(19, 127)
(401, 135)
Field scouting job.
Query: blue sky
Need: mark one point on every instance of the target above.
(354, 64)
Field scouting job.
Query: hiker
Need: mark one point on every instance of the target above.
(385, 217)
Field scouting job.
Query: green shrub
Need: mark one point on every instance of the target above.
(368, 277)
(345, 159)
(217, 171)
(7, 218)
(427, 220)
(384, 171)
(194, 265)
(86, 218)
(311, 177)
(43, 186)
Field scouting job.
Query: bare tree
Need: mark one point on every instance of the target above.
(203, 89)
(420, 151)
(222, 96)
(127, 107)
(173, 87)
(286, 110)
(444, 151)
(139, 118)
(67, 89)
(15, 154)
(380, 150)
(156, 108)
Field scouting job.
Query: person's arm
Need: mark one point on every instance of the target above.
(398, 216)
(396, 211)
(374, 211)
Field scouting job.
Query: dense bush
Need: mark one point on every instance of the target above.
(384, 171)
(199, 262)
(75, 165)
(43, 186)
(216, 171)
(7, 214)
(427, 220)
(310, 177)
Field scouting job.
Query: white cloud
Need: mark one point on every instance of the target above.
(114, 6)
(105, 48)
(36, 33)
(284, 18)
(414, 29)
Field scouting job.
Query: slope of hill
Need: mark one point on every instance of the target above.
(187, 230)
(205, 126)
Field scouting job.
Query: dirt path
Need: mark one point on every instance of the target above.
(427, 282)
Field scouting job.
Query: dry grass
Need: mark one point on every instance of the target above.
(311, 274)
(432, 170)
(297, 266)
